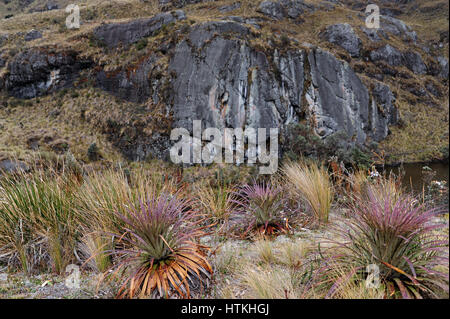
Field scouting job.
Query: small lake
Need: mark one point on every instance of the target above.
(414, 173)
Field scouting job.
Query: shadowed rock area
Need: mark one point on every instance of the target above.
(115, 34)
(39, 71)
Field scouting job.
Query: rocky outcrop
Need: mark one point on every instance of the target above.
(281, 9)
(340, 101)
(179, 3)
(32, 35)
(410, 59)
(12, 166)
(3, 38)
(136, 85)
(231, 7)
(38, 71)
(443, 63)
(413, 61)
(232, 85)
(344, 36)
(387, 53)
(116, 34)
(397, 28)
(216, 76)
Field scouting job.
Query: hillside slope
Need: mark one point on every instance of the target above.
(136, 69)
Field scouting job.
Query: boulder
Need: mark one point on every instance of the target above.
(3, 38)
(279, 10)
(397, 28)
(51, 6)
(273, 10)
(231, 7)
(413, 61)
(344, 36)
(180, 3)
(443, 63)
(33, 35)
(387, 53)
(38, 71)
(12, 166)
(116, 34)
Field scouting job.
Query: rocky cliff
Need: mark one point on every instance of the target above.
(230, 71)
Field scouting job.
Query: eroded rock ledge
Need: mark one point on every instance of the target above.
(216, 75)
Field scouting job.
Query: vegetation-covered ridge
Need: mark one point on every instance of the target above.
(71, 115)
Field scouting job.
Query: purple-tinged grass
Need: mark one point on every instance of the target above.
(401, 237)
(259, 208)
(161, 254)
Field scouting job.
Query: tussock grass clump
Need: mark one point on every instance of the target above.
(215, 203)
(344, 283)
(401, 237)
(99, 199)
(264, 251)
(161, 256)
(311, 182)
(268, 282)
(259, 208)
(36, 209)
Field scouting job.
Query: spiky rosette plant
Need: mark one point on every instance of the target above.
(401, 237)
(259, 209)
(161, 254)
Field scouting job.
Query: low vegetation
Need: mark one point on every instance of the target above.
(142, 233)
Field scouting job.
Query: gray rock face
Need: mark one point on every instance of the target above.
(3, 38)
(231, 7)
(337, 97)
(411, 59)
(232, 85)
(397, 28)
(36, 72)
(180, 3)
(344, 36)
(272, 9)
(131, 86)
(218, 78)
(414, 62)
(51, 6)
(443, 63)
(11, 166)
(389, 54)
(115, 34)
(279, 10)
(33, 35)
(382, 111)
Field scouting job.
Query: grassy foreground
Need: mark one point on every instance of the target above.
(151, 233)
